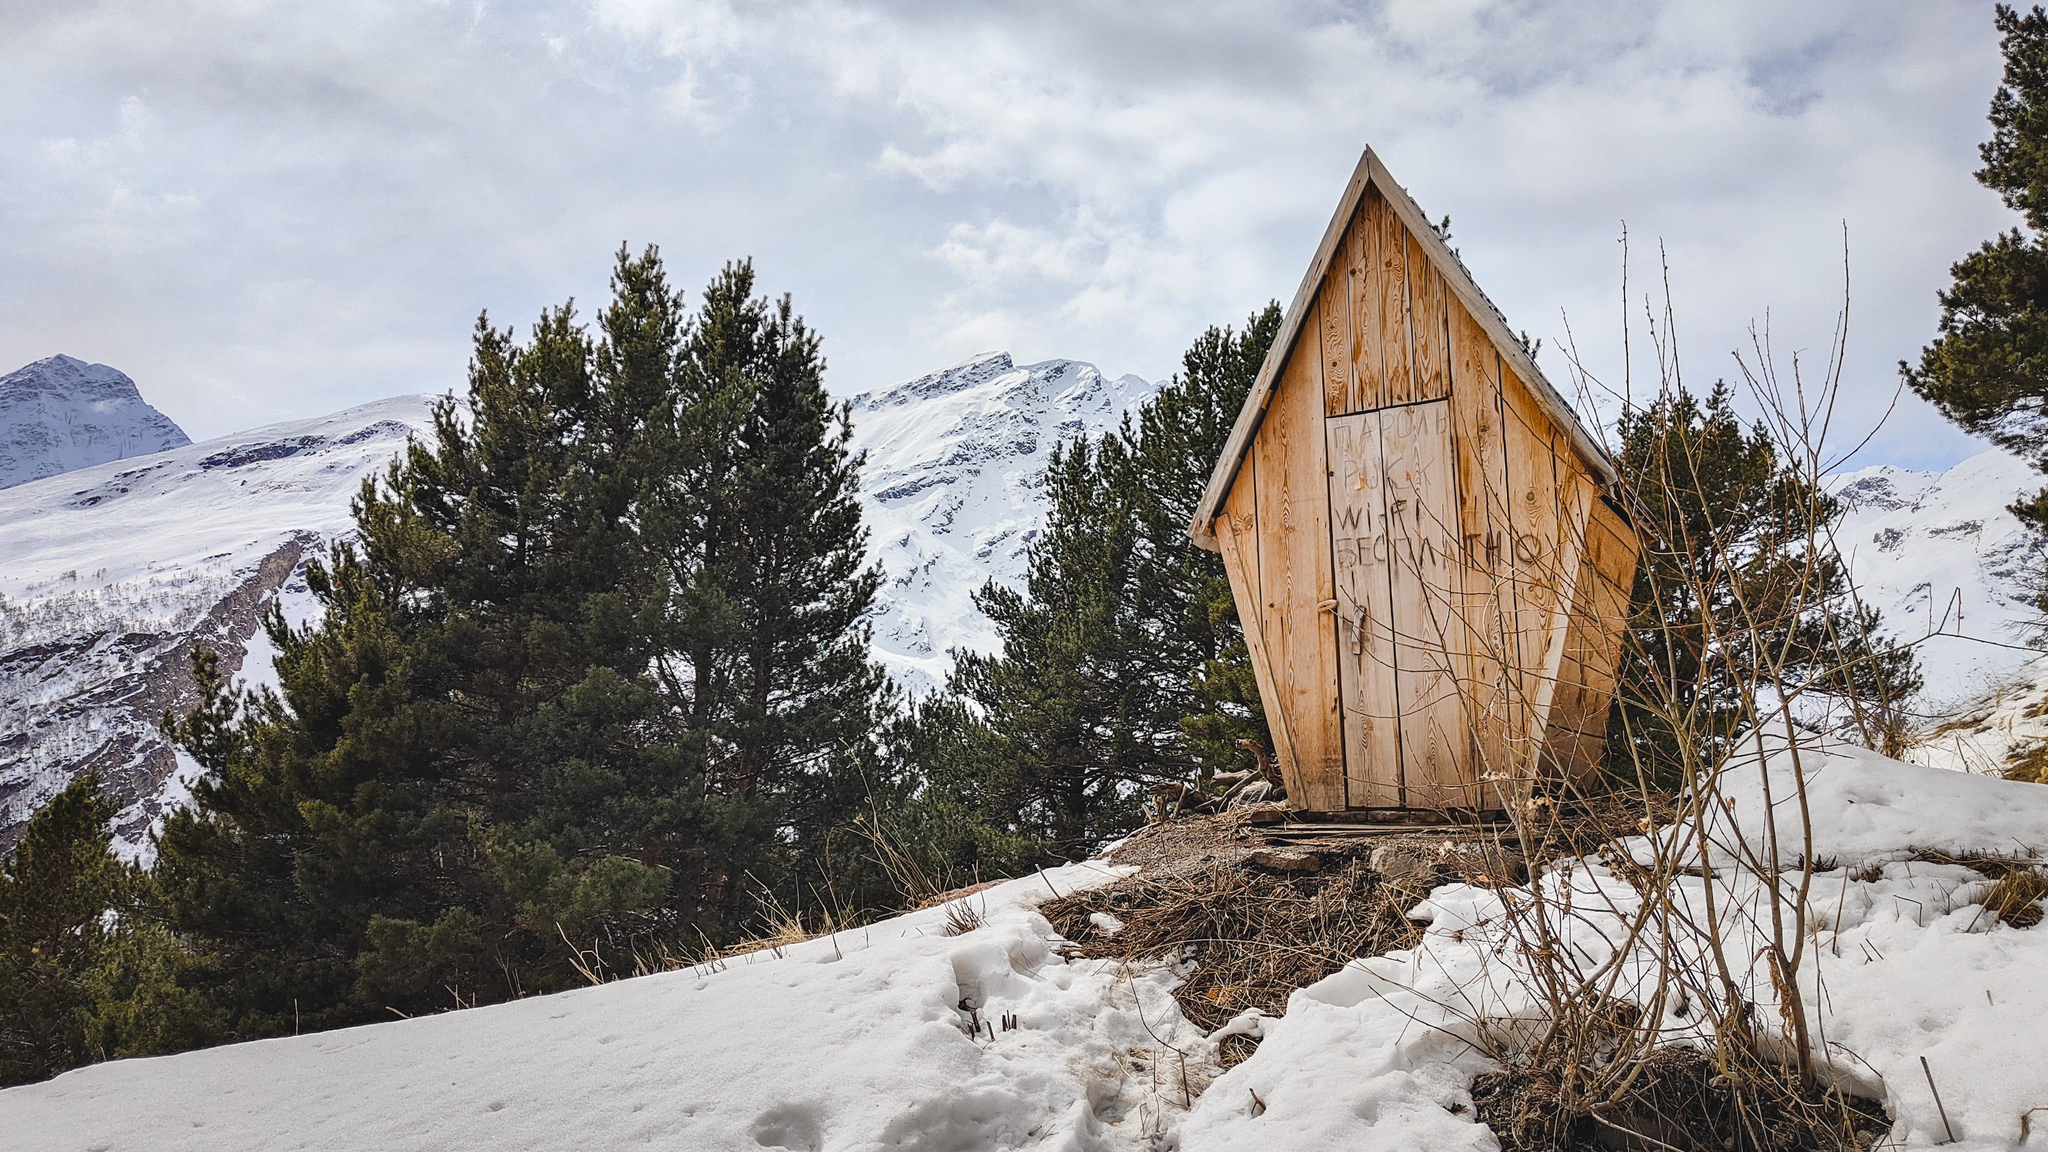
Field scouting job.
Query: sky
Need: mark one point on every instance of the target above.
(265, 211)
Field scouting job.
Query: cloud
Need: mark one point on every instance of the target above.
(264, 209)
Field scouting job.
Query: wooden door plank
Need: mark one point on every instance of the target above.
(1423, 528)
(1295, 573)
(1365, 649)
(1426, 325)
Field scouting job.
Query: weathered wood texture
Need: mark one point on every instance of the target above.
(1238, 534)
(1576, 731)
(1364, 610)
(1427, 336)
(1422, 515)
(1295, 578)
(1486, 639)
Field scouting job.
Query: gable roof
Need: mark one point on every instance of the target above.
(1371, 173)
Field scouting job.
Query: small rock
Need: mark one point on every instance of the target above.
(1287, 861)
(1266, 814)
(1404, 864)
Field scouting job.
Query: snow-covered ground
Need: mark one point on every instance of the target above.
(60, 413)
(900, 1036)
(1902, 964)
(893, 1036)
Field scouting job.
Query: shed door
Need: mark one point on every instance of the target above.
(1393, 526)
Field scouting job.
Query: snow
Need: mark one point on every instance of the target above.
(61, 413)
(113, 571)
(1903, 964)
(855, 1041)
(1868, 808)
(1945, 562)
(953, 492)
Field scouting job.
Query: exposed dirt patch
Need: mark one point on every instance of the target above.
(1255, 932)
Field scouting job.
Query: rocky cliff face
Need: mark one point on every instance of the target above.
(1949, 566)
(61, 414)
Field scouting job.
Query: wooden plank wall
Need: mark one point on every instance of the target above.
(1237, 533)
(1486, 600)
(1295, 575)
(1529, 449)
(1364, 610)
(1575, 731)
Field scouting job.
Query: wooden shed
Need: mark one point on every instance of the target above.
(1432, 580)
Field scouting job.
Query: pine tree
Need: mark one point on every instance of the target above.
(594, 666)
(1728, 534)
(84, 975)
(771, 662)
(1123, 663)
(1988, 369)
(469, 784)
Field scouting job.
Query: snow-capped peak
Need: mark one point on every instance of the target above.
(953, 487)
(61, 413)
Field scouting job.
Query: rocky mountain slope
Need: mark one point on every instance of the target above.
(1948, 566)
(114, 573)
(62, 413)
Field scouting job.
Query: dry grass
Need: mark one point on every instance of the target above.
(1255, 934)
(2029, 764)
(1679, 1101)
(2016, 897)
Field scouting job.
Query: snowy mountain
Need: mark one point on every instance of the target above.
(114, 573)
(60, 414)
(955, 492)
(1944, 561)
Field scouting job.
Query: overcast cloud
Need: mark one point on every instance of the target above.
(270, 210)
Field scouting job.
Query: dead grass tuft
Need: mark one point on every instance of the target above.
(2016, 897)
(2028, 764)
(1678, 1101)
(962, 918)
